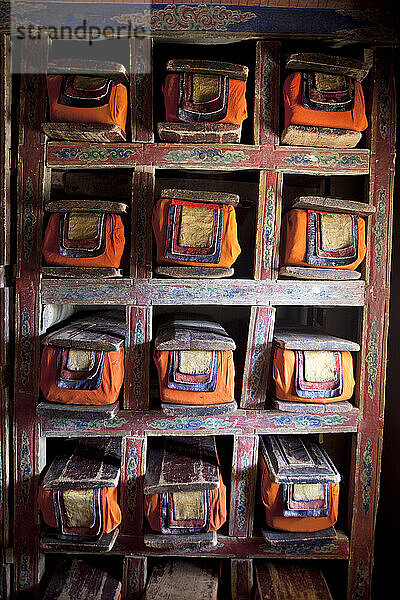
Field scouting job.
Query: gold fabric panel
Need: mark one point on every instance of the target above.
(85, 82)
(83, 225)
(319, 365)
(304, 492)
(188, 505)
(326, 82)
(80, 360)
(79, 508)
(195, 362)
(196, 227)
(205, 88)
(336, 231)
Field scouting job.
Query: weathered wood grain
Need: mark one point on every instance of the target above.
(189, 410)
(292, 581)
(141, 88)
(329, 204)
(209, 67)
(243, 485)
(186, 333)
(182, 464)
(5, 145)
(314, 408)
(100, 68)
(181, 541)
(310, 273)
(241, 579)
(75, 578)
(308, 540)
(173, 580)
(199, 133)
(134, 577)
(319, 137)
(194, 272)
(339, 65)
(201, 196)
(95, 462)
(52, 314)
(82, 272)
(133, 468)
(85, 132)
(84, 205)
(101, 331)
(308, 339)
(53, 410)
(50, 543)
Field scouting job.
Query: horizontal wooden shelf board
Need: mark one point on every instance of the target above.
(159, 292)
(300, 159)
(237, 547)
(250, 422)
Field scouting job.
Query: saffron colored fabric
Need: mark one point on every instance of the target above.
(224, 389)
(295, 240)
(237, 107)
(272, 497)
(107, 392)
(113, 248)
(152, 508)
(284, 378)
(229, 249)
(114, 112)
(297, 114)
(111, 511)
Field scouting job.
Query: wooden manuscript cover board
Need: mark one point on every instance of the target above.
(295, 459)
(75, 205)
(179, 580)
(330, 204)
(291, 581)
(101, 68)
(102, 331)
(76, 579)
(94, 463)
(309, 339)
(182, 464)
(183, 333)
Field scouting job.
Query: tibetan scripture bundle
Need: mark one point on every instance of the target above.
(310, 366)
(324, 238)
(196, 233)
(88, 100)
(78, 496)
(300, 581)
(324, 101)
(185, 497)
(205, 101)
(79, 580)
(196, 373)
(83, 363)
(84, 238)
(179, 579)
(299, 485)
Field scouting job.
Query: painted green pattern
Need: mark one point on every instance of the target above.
(322, 160)
(358, 593)
(29, 219)
(380, 228)
(26, 347)
(26, 467)
(366, 476)
(243, 490)
(269, 227)
(372, 358)
(206, 155)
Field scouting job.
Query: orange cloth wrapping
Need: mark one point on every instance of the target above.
(230, 248)
(107, 393)
(224, 391)
(272, 499)
(217, 508)
(111, 511)
(237, 106)
(296, 114)
(114, 247)
(283, 375)
(294, 241)
(114, 112)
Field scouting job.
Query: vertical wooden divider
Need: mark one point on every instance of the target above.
(137, 358)
(266, 261)
(241, 578)
(134, 577)
(243, 485)
(266, 96)
(258, 355)
(132, 475)
(29, 449)
(141, 89)
(141, 230)
(367, 443)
